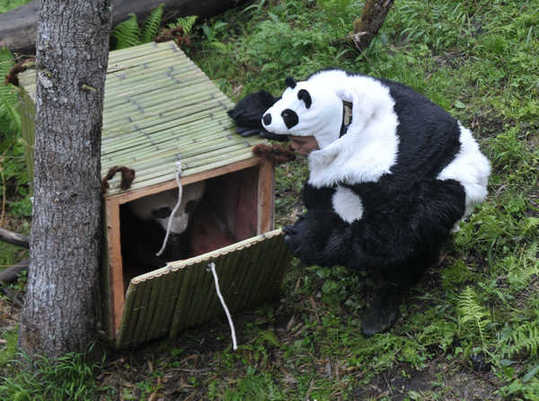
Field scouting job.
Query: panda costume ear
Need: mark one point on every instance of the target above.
(290, 82)
(306, 97)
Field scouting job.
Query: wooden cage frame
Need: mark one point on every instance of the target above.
(112, 207)
(159, 104)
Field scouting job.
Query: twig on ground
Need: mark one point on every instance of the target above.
(12, 273)
(14, 238)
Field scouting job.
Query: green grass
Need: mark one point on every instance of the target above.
(471, 325)
(67, 378)
(6, 5)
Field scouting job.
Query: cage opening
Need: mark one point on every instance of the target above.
(227, 212)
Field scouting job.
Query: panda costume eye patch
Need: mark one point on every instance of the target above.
(161, 213)
(191, 206)
(290, 118)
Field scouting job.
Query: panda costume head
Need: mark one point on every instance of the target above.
(306, 109)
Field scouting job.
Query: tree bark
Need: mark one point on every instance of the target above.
(18, 27)
(367, 26)
(60, 308)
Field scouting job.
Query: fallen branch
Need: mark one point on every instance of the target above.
(14, 238)
(12, 273)
(367, 26)
(18, 27)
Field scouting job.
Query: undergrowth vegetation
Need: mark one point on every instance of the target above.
(470, 330)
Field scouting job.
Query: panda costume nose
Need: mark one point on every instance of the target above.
(267, 119)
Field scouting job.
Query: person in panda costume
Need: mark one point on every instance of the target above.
(384, 192)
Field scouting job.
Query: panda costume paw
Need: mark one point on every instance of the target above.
(310, 240)
(247, 115)
(385, 190)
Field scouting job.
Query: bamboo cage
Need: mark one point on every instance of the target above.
(159, 105)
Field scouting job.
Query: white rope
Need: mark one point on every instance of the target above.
(229, 317)
(180, 191)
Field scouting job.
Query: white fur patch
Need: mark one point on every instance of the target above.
(347, 204)
(143, 207)
(369, 148)
(469, 167)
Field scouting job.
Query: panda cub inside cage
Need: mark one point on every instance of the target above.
(212, 214)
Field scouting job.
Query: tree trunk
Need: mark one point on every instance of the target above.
(18, 27)
(367, 26)
(67, 234)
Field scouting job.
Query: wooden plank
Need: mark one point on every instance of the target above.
(265, 197)
(246, 270)
(115, 264)
(203, 175)
(145, 179)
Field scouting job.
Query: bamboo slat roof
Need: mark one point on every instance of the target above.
(159, 105)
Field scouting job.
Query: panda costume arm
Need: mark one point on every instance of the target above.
(394, 224)
(247, 115)
(394, 230)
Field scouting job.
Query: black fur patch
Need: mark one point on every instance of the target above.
(306, 97)
(249, 110)
(399, 235)
(428, 135)
(161, 213)
(191, 206)
(290, 82)
(247, 115)
(290, 118)
(142, 239)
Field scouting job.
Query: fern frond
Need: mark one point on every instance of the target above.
(9, 117)
(186, 23)
(127, 33)
(152, 25)
(471, 311)
(524, 338)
